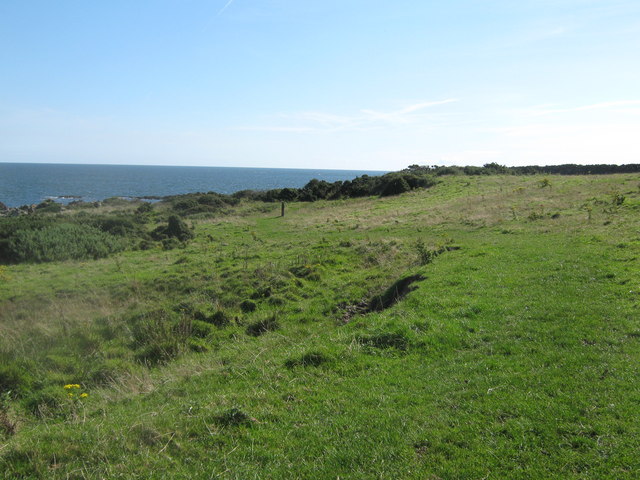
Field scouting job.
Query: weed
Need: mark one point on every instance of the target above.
(384, 340)
(232, 418)
(617, 199)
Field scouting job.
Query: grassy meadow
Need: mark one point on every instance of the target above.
(486, 327)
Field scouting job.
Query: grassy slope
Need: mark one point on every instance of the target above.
(517, 356)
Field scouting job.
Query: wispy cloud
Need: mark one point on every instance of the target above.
(363, 120)
(225, 7)
(620, 105)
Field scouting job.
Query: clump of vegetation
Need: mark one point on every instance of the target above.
(617, 199)
(544, 183)
(48, 206)
(265, 325)
(219, 318)
(64, 241)
(176, 228)
(232, 418)
(385, 340)
(309, 359)
(248, 306)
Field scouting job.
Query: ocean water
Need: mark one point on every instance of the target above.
(29, 183)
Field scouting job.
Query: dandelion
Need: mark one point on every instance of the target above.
(69, 386)
(84, 395)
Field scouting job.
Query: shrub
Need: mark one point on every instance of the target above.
(176, 228)
(63, 241)
(395, 186)
(48, 206)
(144, 208)
(171, 243)
(118, 225)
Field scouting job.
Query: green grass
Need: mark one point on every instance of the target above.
(516, 357)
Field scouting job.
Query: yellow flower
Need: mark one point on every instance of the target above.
(71, 394)
(71, 385)
(84, 395)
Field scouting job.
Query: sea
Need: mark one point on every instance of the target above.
(31, 183)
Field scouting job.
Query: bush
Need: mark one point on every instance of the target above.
(144, 208)
(48, 206)
(176, 228)
(171, 243)
(396, 186)
(63, 241)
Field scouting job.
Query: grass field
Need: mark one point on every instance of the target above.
(290, 347)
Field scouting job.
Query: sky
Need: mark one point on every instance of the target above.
(344, 84)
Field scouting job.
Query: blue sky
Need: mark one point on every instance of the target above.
(348, 84)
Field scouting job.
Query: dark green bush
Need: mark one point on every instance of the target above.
(176, 228)
(64, 241)
(171, 243)
(395, 186)
(48, 206)
(144, 208)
